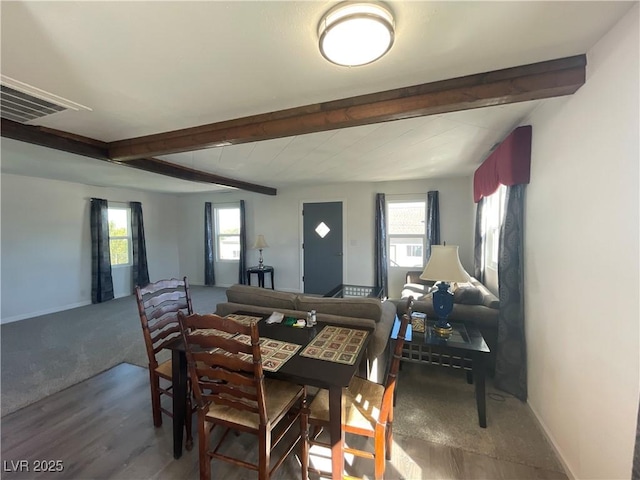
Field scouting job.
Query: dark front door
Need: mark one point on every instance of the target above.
(322, 246)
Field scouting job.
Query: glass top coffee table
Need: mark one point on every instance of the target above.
(464, 349)
(344, 291)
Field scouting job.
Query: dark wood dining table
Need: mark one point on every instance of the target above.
(301, 370)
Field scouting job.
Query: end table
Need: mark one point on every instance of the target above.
(260, 272)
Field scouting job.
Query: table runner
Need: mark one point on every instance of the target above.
(275, 353)
(336, 344)
(243, 319)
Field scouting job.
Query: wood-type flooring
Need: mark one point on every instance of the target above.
(102, 429)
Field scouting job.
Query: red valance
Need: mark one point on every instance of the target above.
(509, 164)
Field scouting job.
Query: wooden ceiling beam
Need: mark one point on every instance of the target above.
(184, 173)
(46, 137)
(88, 147)
(536, 81)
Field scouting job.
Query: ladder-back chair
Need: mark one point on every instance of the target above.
(231, 391)
(158, 306)
(367, 411)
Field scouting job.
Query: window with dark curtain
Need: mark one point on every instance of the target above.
(433, 222)
(140, 271)
(381, 257)
(101, 281)
(242, 264)
(209, 275)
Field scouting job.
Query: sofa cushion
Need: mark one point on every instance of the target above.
(468, 295)
(415, 290)
(488, 298)
(261, 297)
(370, 308)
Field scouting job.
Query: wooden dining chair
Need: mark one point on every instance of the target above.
(231, 391)
(158, 306)
(367, 411)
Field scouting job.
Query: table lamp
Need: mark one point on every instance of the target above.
(444, 266)
(260, 244)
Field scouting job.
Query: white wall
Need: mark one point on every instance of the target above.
(46, 243)
(581, 262)
(278, 218)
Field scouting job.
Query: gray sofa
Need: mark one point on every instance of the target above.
(355, 312)
(473, 303)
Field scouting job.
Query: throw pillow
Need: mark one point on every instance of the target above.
(467, 296)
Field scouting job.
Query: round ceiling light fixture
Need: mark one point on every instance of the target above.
(353, 34)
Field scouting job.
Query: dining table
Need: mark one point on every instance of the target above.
(303, 370)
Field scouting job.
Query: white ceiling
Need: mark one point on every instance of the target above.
(151, 67)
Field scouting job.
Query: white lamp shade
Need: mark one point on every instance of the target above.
(444, 265)
(355, 34)
(260, 242)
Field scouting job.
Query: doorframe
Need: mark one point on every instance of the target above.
(301, 235)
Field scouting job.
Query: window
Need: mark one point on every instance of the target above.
(228, 233)
(493, 221)
(120, 235)
(406, 231)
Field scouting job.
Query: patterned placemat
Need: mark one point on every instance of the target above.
(212, 331)
(275, 353)
(336, 344)
(243, 319)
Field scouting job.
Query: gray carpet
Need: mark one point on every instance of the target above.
(436, 404)
(43, 355)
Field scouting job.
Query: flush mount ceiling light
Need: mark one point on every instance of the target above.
(353, 34)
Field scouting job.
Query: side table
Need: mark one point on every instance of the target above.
(464, 349)
(260, 272)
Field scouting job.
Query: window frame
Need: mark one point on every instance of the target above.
(127, 237)
(423, 237)
(494, 218)
(219, 236)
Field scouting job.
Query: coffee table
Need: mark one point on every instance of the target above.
(464, 349)
(346, 290)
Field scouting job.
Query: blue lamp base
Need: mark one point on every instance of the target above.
(442, 305)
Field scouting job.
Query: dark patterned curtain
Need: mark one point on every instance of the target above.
(140, 267)
(101, 281)
(433, 223)
(209, 275)
(242, 264)
(511, 361)
(381, 257)
(478, 246)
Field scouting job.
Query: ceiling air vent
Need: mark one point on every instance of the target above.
(21, 102)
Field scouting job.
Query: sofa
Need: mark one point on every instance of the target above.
(353, 312)
(473, 303)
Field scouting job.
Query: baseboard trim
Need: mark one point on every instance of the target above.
(17, 318)
(554, 445)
